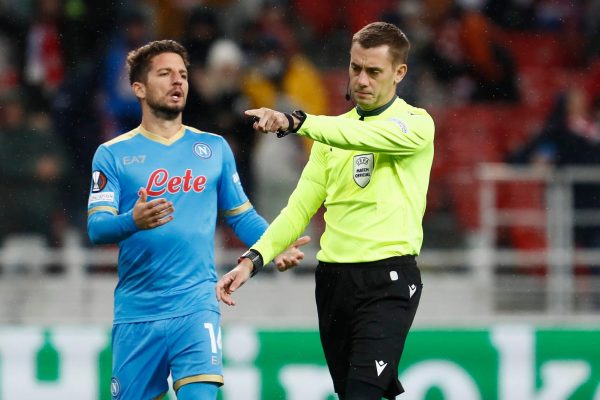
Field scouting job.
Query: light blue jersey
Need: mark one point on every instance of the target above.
(167, 271)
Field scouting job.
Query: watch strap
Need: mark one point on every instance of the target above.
(300, 115)
(256, 258)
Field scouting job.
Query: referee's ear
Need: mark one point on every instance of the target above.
(400, 73)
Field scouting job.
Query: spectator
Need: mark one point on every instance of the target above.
(512, 14)
(273, 22)
(283, 81)
(216, 103)
(12, 36)
(201, 32)
(121, 106)
(467, 52)
(281, 78)
(324, 16)
(77, 119)
(570, 137)
(592, 29)
(31, 165)
(44, 62)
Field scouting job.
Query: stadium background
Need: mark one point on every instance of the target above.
(512, 282)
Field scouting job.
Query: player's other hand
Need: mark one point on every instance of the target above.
(150, 214)
(232, 280)
(267, 120)
(292, 255)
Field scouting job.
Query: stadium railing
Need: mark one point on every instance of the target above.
(487, 280)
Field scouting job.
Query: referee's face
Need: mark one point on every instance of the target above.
(373, 76)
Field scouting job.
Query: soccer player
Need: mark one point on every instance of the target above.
(156, 191)
(370, 168)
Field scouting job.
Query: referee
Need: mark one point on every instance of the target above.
(370, 168)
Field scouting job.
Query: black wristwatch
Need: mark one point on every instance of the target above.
(256, 258)
(301, 115)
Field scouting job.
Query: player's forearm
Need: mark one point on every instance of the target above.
(105, 228)
(383, 136)
(248, 226)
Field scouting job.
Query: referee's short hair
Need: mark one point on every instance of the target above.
(378, 34)
(138, 60)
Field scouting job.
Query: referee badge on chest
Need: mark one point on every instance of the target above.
(362, 168)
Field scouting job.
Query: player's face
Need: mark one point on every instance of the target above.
(167, 85)
(373, 77)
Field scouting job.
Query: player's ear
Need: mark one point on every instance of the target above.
(139, 89)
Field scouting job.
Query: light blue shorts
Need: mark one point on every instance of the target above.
(144, 353)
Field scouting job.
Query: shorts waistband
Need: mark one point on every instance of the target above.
(387, 262)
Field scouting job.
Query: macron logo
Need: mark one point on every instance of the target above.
(380, 365)
(412, 289)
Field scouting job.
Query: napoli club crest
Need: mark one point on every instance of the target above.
(115, 388)
(202, 150)
(362, 168)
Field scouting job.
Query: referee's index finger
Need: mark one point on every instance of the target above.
(255, 112)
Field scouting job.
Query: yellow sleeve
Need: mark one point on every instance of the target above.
(303, 203)
(405, 135)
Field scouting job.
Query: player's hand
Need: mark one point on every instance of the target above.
(292, 255)
(150, 214)
(267, 120)
(232, 280)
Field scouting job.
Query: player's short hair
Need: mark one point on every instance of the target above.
(138, 60)
(378, 34)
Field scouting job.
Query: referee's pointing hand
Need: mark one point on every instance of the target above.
(267, 120)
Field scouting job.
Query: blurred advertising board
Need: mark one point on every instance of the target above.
(504, 362)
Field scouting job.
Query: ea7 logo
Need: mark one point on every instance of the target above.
(127, 160)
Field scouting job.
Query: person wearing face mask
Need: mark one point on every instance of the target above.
(283, 81)
(278, 79)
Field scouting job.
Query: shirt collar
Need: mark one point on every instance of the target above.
(376, 111)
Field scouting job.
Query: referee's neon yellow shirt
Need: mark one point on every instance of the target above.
(372, 177)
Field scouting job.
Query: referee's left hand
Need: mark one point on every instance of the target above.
(292, 255)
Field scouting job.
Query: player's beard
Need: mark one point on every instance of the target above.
(165, 111)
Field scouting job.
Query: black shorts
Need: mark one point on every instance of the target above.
(365, 311)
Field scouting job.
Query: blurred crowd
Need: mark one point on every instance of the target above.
(64, 88)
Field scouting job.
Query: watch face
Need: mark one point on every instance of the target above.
(299, 114)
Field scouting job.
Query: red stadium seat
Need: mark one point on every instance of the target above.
(517, 125)
(538, 49)
(466, 136)
(592, 80)
(539, 86)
